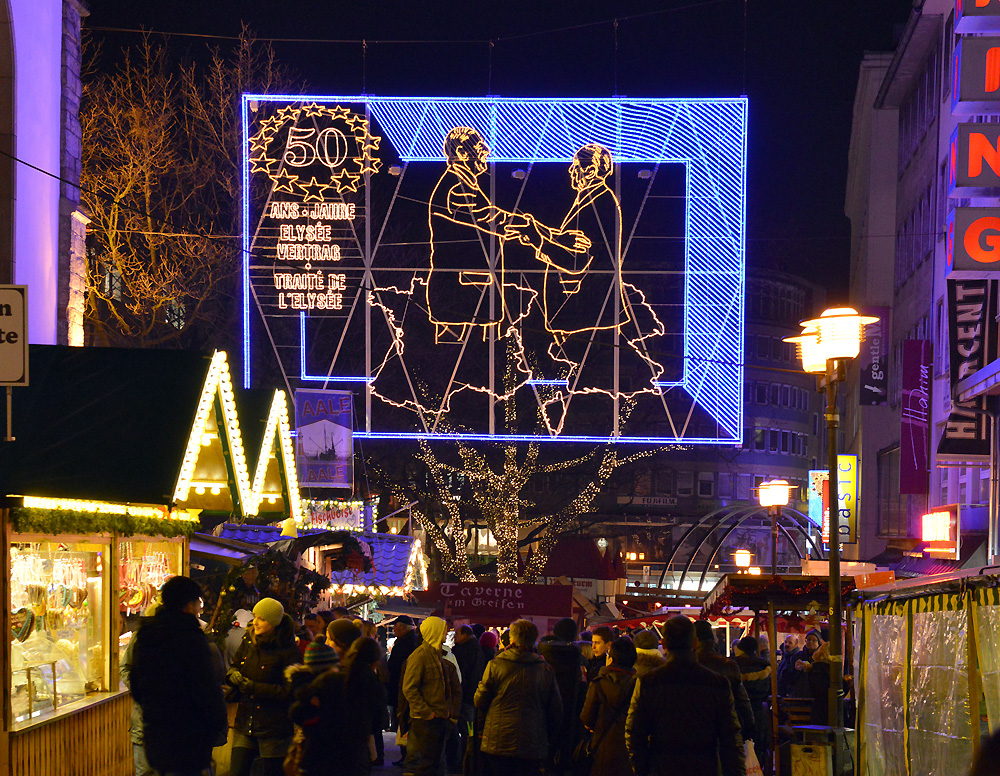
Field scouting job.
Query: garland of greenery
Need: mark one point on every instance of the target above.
(62, 521)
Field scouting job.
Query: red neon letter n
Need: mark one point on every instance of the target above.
(980, 148)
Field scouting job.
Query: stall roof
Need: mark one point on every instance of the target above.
(953, 580)
(391, 556)
(788, 592)
(971, 555)
(103, 423)
(231, 551)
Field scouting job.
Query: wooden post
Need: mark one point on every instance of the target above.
(772, 648)
(972, 657)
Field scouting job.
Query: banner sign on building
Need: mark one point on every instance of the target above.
(502, 602)
(972, 344)
(972, 247)
(915, 400)
(13, 335)
(974, 160)
(976, 76)
(847, 498)
(978, 16)
(874, 358)
(517, 245)
(324, 423)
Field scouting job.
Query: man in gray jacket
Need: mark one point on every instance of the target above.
(519, 706)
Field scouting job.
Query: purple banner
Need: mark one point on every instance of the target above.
(913, 442)
(324, 442)
(874, 359)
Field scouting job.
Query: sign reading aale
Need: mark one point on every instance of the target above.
(13, 335)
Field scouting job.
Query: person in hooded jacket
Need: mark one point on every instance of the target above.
(519, 707)
(606, 708)
(263, 729)
(433, 692)
(566, 659)
(648, 656)
(175, 680)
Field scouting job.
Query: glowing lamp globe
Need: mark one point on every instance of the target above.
(811, 354)
(742, 559)
(774, 493)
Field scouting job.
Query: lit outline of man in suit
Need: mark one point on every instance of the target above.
(573, 281)
(459, 212)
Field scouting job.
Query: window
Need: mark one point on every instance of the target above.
(725, 485)
(760, 439)
(706, 484)
(786, 396)
(774, 441)
(777, 349)
(785, 442)
(775, 395)
(760, 393)
(744, 482)
(763, 347)
(685, 483)
(664, 481)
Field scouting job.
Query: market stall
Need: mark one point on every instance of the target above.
(928, 668)
(117, 455)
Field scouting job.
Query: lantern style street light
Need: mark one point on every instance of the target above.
(773, 495)
(742, 559)
(825, 344)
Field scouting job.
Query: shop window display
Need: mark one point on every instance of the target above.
(143, 567)
(58, 649)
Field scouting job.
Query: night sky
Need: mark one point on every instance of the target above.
(797, 63)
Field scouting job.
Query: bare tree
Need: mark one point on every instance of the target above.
(490, 484)
(161, 162)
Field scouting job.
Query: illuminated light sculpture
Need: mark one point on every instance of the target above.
(109, 508)
(217, 400)
(286, 134)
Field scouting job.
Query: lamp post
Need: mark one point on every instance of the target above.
(773, 495)
(825, 344)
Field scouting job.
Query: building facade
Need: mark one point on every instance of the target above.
(899, 205)
(42, 226)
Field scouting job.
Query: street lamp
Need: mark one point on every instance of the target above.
(824, 345)
(742, 559)
(773, 494)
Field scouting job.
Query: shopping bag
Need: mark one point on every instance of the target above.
(752, 763)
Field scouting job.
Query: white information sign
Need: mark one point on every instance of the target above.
(13, 335)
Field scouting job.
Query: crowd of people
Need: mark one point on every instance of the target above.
(314, 698)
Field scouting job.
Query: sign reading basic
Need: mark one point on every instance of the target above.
(498, 602)
(13, 335)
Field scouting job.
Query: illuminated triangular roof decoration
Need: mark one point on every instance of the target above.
(215, 465)
(275, 476)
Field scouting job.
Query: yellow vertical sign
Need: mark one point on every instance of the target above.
(847, 500)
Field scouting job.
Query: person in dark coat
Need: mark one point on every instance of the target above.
(406, 641)
(786, 666)
(262, 729)
(606, 707)
(471, 665)
(682, 719)
(488, 643)
(519, 707)
(755, 672)
(706, 654)
(175, 681)
(600, 642)
(802, 664)
(566, 659)
(309, 743)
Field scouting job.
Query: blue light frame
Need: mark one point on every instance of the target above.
(707, 135)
